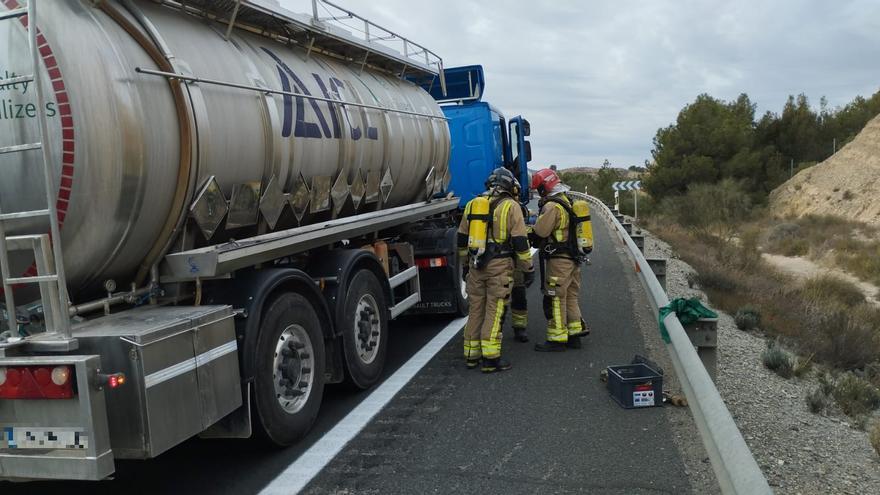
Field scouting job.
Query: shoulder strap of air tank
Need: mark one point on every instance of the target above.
(568, 209)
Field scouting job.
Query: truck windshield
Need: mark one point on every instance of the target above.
(500, 139)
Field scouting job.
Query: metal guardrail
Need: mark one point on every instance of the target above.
(732, 461)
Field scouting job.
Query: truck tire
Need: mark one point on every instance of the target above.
(364, 328)
(461, 299)
(289, 375)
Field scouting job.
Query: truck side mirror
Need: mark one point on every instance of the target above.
(528, 151)
(526, 128)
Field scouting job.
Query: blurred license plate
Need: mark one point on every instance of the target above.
(24, 437)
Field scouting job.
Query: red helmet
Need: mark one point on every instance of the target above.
(544, 181)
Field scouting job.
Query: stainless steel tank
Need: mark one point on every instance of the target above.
(116, 135)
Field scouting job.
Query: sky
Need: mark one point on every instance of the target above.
(597, 79)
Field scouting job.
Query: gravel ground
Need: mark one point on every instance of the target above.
(799, 452)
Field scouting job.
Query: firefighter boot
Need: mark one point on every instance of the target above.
(472, 363)
(574, 342)
(494, 365)
(549, 346)
(520, 335)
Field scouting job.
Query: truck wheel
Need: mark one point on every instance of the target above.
(461, 298)
(289, 379)
(364, 329)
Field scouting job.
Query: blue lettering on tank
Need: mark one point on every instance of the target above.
(291, 83)
(302, 128)
(330, 105)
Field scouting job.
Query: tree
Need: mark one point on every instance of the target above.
(712, 140)
(707, 134)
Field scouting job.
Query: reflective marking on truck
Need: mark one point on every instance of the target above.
(190, 364)
(31, 437)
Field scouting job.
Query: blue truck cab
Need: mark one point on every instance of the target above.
(482, 139)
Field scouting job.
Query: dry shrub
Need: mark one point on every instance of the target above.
(855, 396)
(859, 257)
(749, 255)
(846, 338)
(832, 290)
(817, 400)
(787, 239)
(714, 279)
(747, 318)
(824, 318)
(874, 437)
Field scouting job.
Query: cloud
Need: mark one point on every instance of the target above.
(597, 79)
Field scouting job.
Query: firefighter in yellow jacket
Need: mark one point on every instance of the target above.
(565, 232)
(493, 236)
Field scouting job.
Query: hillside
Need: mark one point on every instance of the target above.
(846, 185)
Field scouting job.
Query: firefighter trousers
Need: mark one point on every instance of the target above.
(562, 289)
(519, 304)
(488, 293)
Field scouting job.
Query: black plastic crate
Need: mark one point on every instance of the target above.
(635, 385)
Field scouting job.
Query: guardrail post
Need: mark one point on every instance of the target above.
(628, 227)
(704, 336)
(640, 241)
(658, 266)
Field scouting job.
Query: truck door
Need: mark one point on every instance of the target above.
(520, 153)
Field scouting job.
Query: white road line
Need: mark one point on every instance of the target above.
(311, 462)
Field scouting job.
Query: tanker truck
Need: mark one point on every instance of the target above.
(208, 211)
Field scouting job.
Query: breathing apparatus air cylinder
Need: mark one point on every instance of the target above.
(584, 227)
(478, 219)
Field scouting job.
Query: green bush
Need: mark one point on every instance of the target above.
(855, 396)
(747, 318)
(778, 360)
(708, 207)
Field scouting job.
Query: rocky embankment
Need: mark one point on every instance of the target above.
(799, 452)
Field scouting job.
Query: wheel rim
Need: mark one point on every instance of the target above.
(293, 368)
(367, 328)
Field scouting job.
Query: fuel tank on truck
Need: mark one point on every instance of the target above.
(135, 153)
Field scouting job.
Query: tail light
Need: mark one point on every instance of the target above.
(432, 262)
(112, 380)
(36, 382)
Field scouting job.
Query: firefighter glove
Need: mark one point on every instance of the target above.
(528, 278)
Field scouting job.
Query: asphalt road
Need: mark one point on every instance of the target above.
(546, 426)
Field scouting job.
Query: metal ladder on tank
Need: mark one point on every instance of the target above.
(46, 247)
